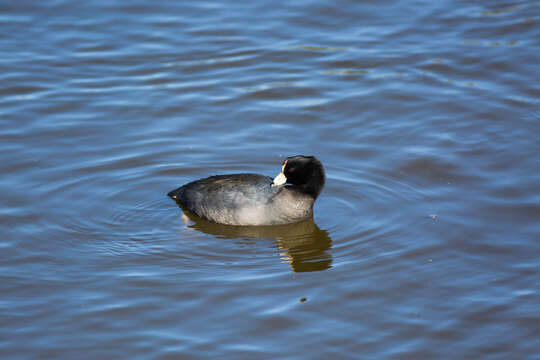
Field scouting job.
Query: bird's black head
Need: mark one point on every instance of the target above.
(306, 172)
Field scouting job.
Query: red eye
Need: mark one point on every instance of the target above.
(290, 170)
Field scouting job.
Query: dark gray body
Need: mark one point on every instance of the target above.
(244, 199)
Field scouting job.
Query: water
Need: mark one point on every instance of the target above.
(424, 243)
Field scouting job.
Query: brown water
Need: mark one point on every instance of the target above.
(424, 242)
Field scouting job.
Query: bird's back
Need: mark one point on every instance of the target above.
(236, 199)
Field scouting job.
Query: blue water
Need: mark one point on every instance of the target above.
(424, 243)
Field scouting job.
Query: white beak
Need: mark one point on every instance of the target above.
(279, 180)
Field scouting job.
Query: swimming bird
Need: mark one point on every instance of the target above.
(253, 199)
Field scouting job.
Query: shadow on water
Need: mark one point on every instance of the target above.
(303, 245)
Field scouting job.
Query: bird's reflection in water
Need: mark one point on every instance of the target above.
(303, 245)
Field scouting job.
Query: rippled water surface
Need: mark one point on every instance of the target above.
(425, 240)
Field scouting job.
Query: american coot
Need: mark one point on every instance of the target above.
(252, 199)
